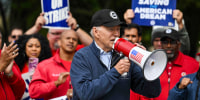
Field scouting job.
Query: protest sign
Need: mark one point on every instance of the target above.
(27, 79)
(153, 12)
(55, 13)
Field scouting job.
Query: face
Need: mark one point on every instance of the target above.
(15, 34)
(132, 35)
(171, 47)
(157, 43)
(68, 41)
(33, 48)
(105, 36)
(53, 36)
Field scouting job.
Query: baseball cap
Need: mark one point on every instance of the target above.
(105, 17)
(156, 33)
(170, 33)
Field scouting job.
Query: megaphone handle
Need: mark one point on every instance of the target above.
(125, 73)
(117, 60)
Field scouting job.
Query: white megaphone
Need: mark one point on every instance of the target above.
(152, 63)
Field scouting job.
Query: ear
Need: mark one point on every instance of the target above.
(179, 44)
(95, 32)
(140, 39)
(59, 43)
(48, 36)
(9, 38)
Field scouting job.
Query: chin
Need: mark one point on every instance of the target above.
(33, 57)
(70, 50)
(170, 56)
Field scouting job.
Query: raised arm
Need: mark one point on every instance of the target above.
(12, 74)
(129, 15)
(184, 37)
(38, 25)
(83, 36)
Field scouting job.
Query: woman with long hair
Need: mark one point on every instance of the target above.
(31, 46)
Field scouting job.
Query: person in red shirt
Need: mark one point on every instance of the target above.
(12, 85)
(51, 78)
(178, 64)
(184, 40)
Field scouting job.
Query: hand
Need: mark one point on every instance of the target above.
(123, 66)
(40, 21)
(141, 46)
(8, 70)
(129, 15)
(7, 55)
(38, 25)
(62, 78)
(184, 83)
(69, 94)
(71, 21)
(178, 15)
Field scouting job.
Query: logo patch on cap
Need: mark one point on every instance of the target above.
(113, 15)
(168, 31)
(183, 73)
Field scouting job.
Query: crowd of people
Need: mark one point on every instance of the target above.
(86, 71)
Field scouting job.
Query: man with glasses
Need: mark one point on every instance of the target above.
(178, 64)
(183, 34)
(15, 33)
(53, 36)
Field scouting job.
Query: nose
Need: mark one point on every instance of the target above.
(57, 36)
(117, 33)
(168, 44)
(130, 38)
(34, 48)
(159, 42)
(17, 37)
(71, 40)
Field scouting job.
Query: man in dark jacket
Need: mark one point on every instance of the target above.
(187, 88)
(93, 77)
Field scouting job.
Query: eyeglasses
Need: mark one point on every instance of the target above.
(169, 42)
(13, 36)
(58, 33)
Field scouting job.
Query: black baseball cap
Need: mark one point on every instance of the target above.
(170, 33)
(105, 17)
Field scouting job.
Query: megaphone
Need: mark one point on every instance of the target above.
(152, 63)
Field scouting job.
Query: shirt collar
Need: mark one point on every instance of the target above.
(102, 52)
(178, 61)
